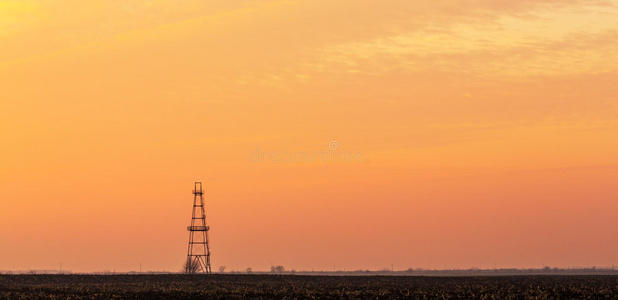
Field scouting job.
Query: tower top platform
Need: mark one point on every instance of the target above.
(198, 189)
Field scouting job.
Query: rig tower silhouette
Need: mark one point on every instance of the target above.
(198, 253)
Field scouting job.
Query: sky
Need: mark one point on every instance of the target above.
(328, 134)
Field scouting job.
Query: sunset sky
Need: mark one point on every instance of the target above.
(449, 134)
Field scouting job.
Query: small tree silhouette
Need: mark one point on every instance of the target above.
(221, 269)
(277, 269)
(191, 266)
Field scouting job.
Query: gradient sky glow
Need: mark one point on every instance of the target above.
(487, 132)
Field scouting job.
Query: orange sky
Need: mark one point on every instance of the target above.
(482, 133)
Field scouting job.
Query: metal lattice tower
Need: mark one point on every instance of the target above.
(198, 254)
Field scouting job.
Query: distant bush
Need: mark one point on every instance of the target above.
(277, 269)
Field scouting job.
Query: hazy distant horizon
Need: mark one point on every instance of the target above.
(409, 272)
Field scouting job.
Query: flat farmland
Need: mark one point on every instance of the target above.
(263, 286)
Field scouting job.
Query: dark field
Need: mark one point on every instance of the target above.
(305, 287)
